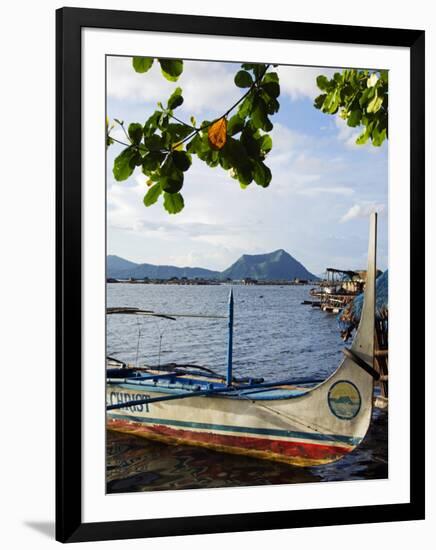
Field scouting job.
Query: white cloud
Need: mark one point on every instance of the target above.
(296, 166)
(285, 139)
(220, 221)
(316, 191)
(346, 133)
(124, 83)
(362, 210)
(204, 84)
(300, 82)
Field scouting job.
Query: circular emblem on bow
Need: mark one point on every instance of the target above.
(344, 400)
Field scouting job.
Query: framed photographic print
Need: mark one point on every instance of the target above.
(240, 257)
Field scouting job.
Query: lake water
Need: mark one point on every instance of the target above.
(275, 337)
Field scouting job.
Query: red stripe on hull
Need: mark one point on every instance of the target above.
(303, 453)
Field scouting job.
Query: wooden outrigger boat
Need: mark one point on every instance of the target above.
(300, 422)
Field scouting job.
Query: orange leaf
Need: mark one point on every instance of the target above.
(217, 134)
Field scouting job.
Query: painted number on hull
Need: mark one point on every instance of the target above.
(117, 397)
(344, 400)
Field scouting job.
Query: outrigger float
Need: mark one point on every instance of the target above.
(301, 422)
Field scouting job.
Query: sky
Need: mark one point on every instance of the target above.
(316, 208)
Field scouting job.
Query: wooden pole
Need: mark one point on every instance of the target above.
(230, 340)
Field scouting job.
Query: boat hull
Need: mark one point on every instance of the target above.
(297, 453)
(308, 428)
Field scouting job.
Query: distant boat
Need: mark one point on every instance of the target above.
(303, 422)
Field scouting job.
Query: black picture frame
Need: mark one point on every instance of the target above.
(69, 525)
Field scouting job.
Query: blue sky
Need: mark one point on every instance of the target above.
(316, 207)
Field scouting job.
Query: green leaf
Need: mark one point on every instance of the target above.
(270, 77)
(261, 174)
(235, 125)
(331, 103)
(249, 66)
(367, 94)
(244, 173)
(354, 118)
(173, 203)
(257, 68)
(250, 143)
(375, 104)
(271, 88)
(272, 105)
(319, 101)
(171, 185)
(163, 121)
(152, 123)
(135, 132)
(266, 143)
(243, 79)
(152, 194)
(234, 152)
(364, 136)
(362, 139)
(361, 96)
(154, 142)
(384, 75)
(182, 160)
(136, 159)
(177, 132)
(151, 161)
(322, 82)
(378, 137)
(172, 180)
(224, 161)
(175, 99)
(259, 116)
(124, 164)
(198, 145)
(171, 68)
(372, 80)
(142, 64)
(246, 106)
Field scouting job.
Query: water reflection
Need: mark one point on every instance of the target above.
(136, 464)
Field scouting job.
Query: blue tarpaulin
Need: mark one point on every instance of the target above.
(349, 317)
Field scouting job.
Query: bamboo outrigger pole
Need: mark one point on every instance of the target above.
(230, 340)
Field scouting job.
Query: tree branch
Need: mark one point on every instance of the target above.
(197, 130)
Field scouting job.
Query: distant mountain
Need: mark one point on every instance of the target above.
(278, 265)
(118, 268)
(169, 271)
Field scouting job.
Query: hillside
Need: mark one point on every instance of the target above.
(278, 265)
(118, 268)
